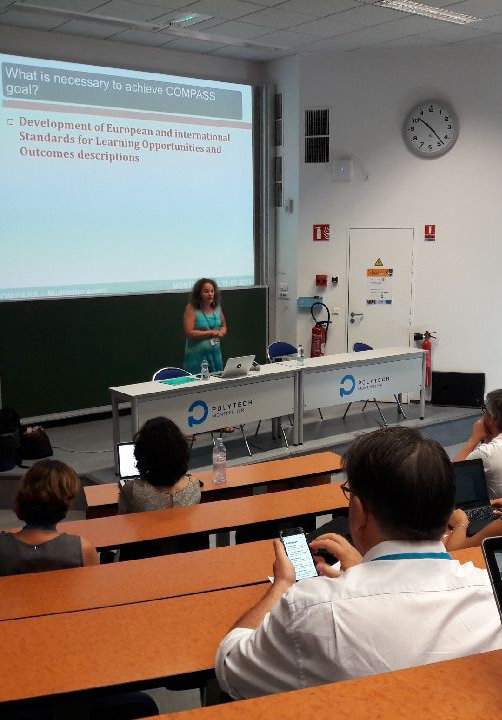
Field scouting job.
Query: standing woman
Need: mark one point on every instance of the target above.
(204, 325)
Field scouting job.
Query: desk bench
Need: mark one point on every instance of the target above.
(223, 515)
(284, 474)
(146, 643)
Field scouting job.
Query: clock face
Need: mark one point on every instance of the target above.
(431, 129)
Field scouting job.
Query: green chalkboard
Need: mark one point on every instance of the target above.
(63, 355)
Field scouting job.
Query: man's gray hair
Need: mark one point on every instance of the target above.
(494, 407)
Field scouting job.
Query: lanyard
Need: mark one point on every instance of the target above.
(416, 556)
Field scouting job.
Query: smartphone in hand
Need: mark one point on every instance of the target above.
(298, 551)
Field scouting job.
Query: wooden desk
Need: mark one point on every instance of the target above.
(79, 651)
(141, 643)
(241, 479)
(462, 689)
(135, 581)
(223, 515)
(139, 581)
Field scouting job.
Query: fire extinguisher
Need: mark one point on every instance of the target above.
(427, 346)
(319, 332)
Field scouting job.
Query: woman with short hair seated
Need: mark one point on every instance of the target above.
(161, 453)
(44, 497)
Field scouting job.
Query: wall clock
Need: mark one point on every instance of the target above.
(431, 129)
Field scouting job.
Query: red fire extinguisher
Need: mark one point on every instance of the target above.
(427, 346)
(319, 332)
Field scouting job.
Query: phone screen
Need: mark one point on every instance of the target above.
(298, 552)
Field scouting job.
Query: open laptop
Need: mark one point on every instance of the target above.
(492, 550)
(237, 367)
(471, 494)
(127, 462)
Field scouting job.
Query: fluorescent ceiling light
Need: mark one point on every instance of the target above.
(435, 13)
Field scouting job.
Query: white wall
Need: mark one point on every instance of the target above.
(457, 287)
(285, 75)
(72, 48)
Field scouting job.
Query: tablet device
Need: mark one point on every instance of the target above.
(127, 462)
(492, 550)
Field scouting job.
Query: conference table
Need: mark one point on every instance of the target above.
(141, 643)
(372, 374)
(277, 389)
(202, 406)
(242, 480)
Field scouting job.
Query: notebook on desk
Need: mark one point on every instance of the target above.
(471, 494)
(127, 462)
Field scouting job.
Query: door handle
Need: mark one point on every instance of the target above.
(353, 316)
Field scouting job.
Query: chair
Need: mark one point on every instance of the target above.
(361, 347)
(169, 373)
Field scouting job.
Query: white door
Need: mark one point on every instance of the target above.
(380, 286)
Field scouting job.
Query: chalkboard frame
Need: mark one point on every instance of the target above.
(62, 355)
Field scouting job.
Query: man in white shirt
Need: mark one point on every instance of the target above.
(485, 443)
(399, 599)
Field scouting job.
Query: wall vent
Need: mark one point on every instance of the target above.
(278, 195)
(278, 138)
(317, 136)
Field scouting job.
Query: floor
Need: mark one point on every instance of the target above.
(87, 447)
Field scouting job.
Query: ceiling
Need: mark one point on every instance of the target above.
(259, 30)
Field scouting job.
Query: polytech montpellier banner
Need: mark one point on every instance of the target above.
(205, 410)
(322, 388)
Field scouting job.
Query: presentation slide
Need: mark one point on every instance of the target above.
(116, 181)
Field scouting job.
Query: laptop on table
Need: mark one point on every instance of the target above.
(127, 462)
(237, 367)
(471, 494)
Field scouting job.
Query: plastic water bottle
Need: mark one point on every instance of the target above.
(219, 462)
(204, 370)
(300, 355)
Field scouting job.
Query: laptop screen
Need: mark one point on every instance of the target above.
(127, 461)
(470, 484)
(492, 551)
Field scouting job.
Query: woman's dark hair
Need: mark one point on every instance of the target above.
(161, 452)
(46, 492)
(405, 480)
(196, 295)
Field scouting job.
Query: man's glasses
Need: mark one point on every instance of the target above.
(346, 490)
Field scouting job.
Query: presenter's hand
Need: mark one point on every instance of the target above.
(284, 571)
(340, 548)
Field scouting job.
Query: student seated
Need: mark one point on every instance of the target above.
(455, 536)
(399, 600)
(161, 453)
(485, 443)
(44, 497)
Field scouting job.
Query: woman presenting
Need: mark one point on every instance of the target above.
(204, 325)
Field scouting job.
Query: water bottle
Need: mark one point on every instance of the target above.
(204, 370)
(300, 355)
(219, 461)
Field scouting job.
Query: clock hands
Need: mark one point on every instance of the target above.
(432, 129)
